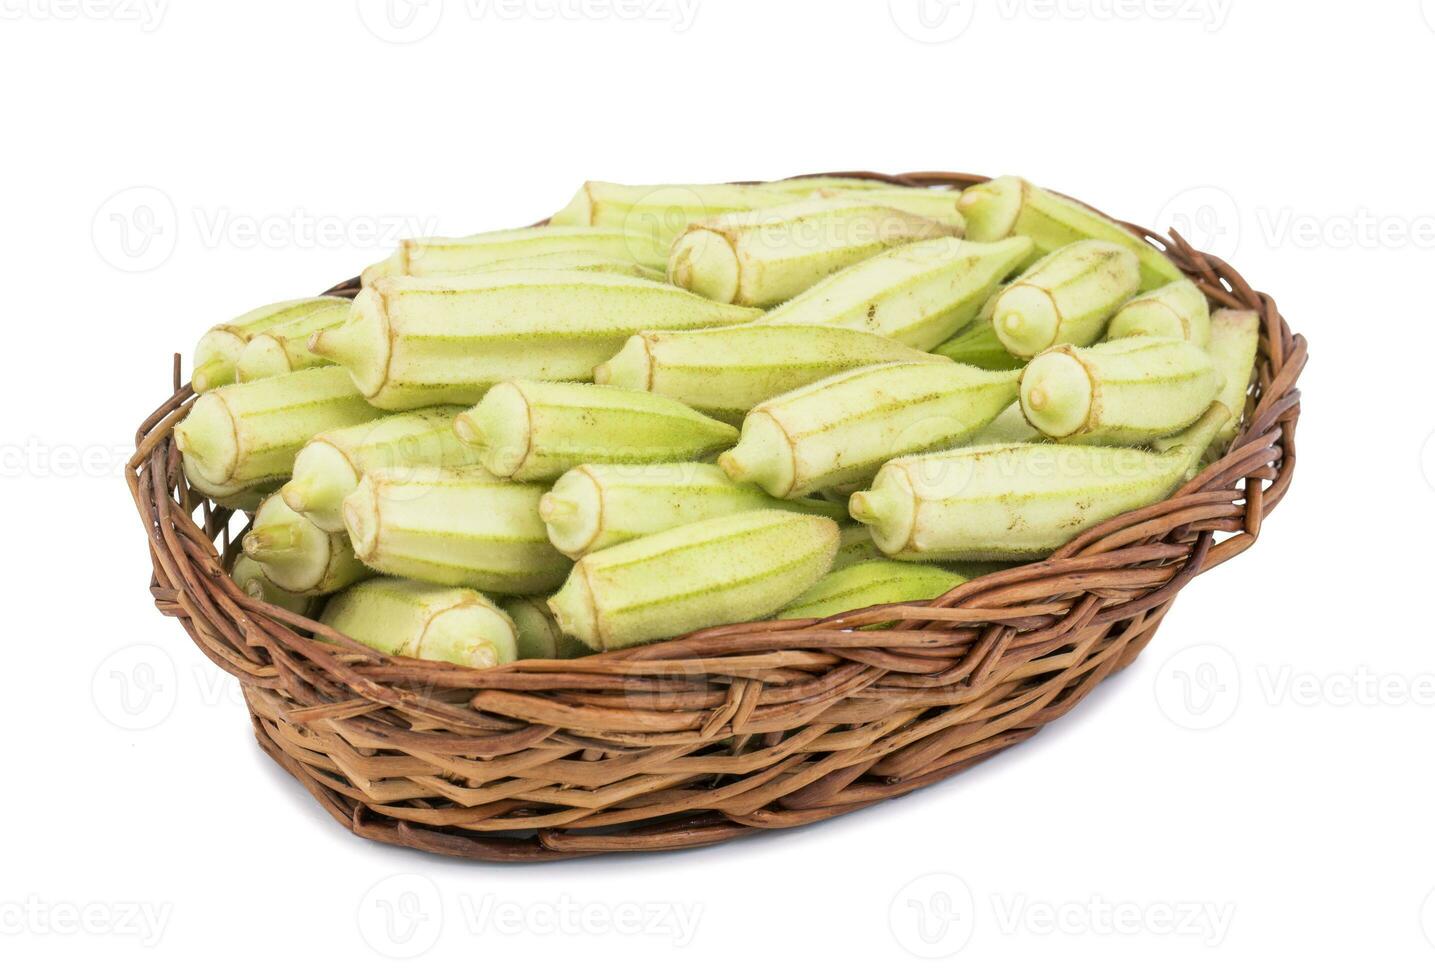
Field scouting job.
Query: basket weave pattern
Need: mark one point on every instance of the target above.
(731, 730)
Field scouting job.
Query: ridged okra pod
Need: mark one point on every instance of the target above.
(1012, 206)
(539, 637)
(871, 583)
(219, 348)
(432, 257)
(1010, 426)
(662, 212)
(840, 430)
(462, 527)
(537, 430)
(854, 545)
(760, 258)
(244, 435)
(331, 464)
(1120, 393)
(936, 203)
(1235, 338)
(249, 575)
(1177, 310)
(724, 371)
(595, 506)
(297, 555)
(919, 294)
(1018, 502)
(721, 570)
(411, 342)
(426, 622)
(1065, 298)
(979, 346)
(285, 348)
(579, 262)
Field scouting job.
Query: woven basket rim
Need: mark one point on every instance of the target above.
(1114, 580)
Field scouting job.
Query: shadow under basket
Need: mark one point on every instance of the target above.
(728, 731)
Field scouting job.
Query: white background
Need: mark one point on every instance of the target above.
(1254, 793)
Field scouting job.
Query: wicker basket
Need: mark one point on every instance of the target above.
(731, 730)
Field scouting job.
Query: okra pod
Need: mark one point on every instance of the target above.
(249, 575)
(579, 262)
(1010, 426)
(242, 435)
(1013, 206)
(871, 583)
(539, 637)
(411, 342)
(724, 371)
(536, 430)
(297, 555)
(939, 204)
(219, 349)
(462, 527)
(1018, 502)
(1065, 298)
(1121, 393)
(595, 506)
(662, 212)
(285, 348)
(841, 429)
(919, 294)
(720, 570)
(854, 545)
(330, 465)
(760, 258)
(979, 346)
(1177, 310)
(426, 622)
(444, 257)
(1235, 338)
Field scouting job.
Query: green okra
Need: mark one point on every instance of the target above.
(662, 212)
(536, 430)
(1065, 298)
(285, 348)
(244, 435)
(939, 204)
(330, 465)
(807, 186)
(218, 350)
(979, 346)
(595, 506)
(840, 430)
(871, 583)
(762, 257)
(579, 262)
(854, 545)
(249, 575)
(919, 294)
(1121, 393)
(426, 622)
(412, 342)
(297, 555)
(1013, 206)
(720, 570)
(1235, 338)
(245, 497)
(539, 637)
(1018, 502)
(724, 371)
(1010, 426)
(1176, 310)
(462, 527)
(445, 257)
